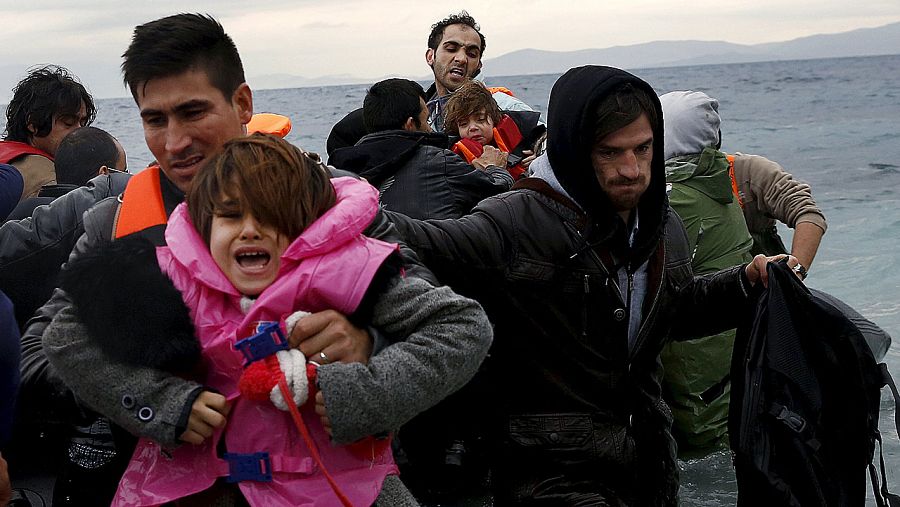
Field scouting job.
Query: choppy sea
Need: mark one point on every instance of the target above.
(832, 123)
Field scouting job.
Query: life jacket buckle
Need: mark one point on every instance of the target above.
(254, 466)
(791, 419)
(268, 340)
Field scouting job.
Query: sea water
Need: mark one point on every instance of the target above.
(834, 123)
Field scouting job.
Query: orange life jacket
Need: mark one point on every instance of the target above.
(506, 138)
(269, 123)
(500, 89)
(11, 150)
(142, 204)
(734, 186)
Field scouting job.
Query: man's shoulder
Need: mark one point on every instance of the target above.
(100, 219)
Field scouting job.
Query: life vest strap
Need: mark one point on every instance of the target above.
(734, 186)
(256, 466)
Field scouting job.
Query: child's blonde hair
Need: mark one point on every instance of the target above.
(279, 184)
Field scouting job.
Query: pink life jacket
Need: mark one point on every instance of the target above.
(329, 266)
(11, 150)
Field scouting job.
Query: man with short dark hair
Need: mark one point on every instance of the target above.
(84, 154)
(455, 49)
(412, 166)
(187, 80)
(582, 270)
(46, 105)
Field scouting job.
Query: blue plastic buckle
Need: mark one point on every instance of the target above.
(248, 467)
(267, 341)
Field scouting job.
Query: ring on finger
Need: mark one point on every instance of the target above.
(323, 357)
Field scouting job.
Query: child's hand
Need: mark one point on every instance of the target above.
(207, 414)
(323, 412)
(490, 156)
(529, 158)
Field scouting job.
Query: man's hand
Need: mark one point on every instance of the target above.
(327, 337)
(322, 412)
(207, 414)
(490, 156)
(6, 486)
(756, 270)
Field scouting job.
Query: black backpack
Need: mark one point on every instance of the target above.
(803, 419)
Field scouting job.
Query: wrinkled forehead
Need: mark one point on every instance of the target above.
(461, 35)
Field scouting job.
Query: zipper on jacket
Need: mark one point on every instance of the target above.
(584, 307)
(651, 316)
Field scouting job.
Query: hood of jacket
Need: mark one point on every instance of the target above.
(706, 173)
(380, 155)
(692, 122)
(570, 140)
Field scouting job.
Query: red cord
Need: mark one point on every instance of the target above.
(304, 432)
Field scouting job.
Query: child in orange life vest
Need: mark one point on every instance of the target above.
(265, 232)
(482, 127)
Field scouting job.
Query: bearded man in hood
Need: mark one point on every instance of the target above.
(582, 270)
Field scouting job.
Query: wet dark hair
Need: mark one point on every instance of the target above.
(45, 93)
(463, 18)
(176, 44)
(468, 99)
(262, 174)
(389, 103)
(621, 107)
(81, 153)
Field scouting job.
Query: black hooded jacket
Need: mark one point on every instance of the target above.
(418, 176)
(577, 412)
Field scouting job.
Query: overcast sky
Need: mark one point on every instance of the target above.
(367, 39)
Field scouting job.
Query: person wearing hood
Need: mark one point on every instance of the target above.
(767, 192)
(696, 383)
(582, 269)
(415, 172)
(717, 211)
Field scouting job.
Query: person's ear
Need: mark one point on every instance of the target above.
(410, 124)
(429, 57)
(103, 171)
(242, 100)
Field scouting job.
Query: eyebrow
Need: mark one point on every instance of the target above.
(460, 44)
(604, 146)
(179, 108)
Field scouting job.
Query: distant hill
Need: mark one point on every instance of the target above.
(863, 42)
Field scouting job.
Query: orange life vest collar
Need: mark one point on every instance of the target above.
(142, 203)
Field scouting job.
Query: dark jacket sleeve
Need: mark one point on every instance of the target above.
(41, 385)
(33, 249)
(708, 304)
(125, 393)
(477, 242)
(470, 184)
(9, 367)
(382, 228)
